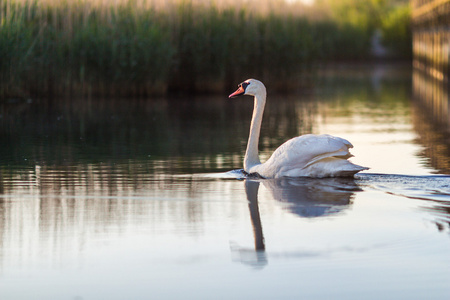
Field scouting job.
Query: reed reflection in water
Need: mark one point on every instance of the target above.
(50, 218)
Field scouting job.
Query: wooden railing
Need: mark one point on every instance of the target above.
(431, 37)
(431, 78)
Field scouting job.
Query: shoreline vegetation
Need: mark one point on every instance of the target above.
(144, 47)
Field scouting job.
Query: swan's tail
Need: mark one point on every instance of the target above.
(350, 172)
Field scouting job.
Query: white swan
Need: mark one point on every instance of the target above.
(304, 156)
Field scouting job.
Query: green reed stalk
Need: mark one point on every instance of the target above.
(131, 48)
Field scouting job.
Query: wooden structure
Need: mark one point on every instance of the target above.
(431, 56)
(431, 37)
(431, 78)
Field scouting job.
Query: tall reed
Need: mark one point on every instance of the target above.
(137, 47)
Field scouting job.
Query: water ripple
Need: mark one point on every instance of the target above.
(428, 187)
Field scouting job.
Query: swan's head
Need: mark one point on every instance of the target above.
(250, 87)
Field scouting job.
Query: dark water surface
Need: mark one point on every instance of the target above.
(133, 199)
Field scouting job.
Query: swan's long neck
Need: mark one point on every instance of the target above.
(251, 154)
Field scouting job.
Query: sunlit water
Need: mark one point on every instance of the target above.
(134, 199)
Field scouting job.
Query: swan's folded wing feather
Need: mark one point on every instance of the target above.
(305, 150)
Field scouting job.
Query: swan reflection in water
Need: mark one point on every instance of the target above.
(305, 197)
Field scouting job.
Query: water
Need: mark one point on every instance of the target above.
(134, 199)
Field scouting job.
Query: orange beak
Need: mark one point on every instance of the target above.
(238, 92)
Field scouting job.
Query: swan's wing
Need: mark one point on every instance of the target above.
(305, 150)
(310, 148)
(329, 146)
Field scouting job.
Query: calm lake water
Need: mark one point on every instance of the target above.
(133, 199)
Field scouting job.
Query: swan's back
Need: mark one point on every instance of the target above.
(312, 156)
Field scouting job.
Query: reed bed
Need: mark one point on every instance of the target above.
(140, 47)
